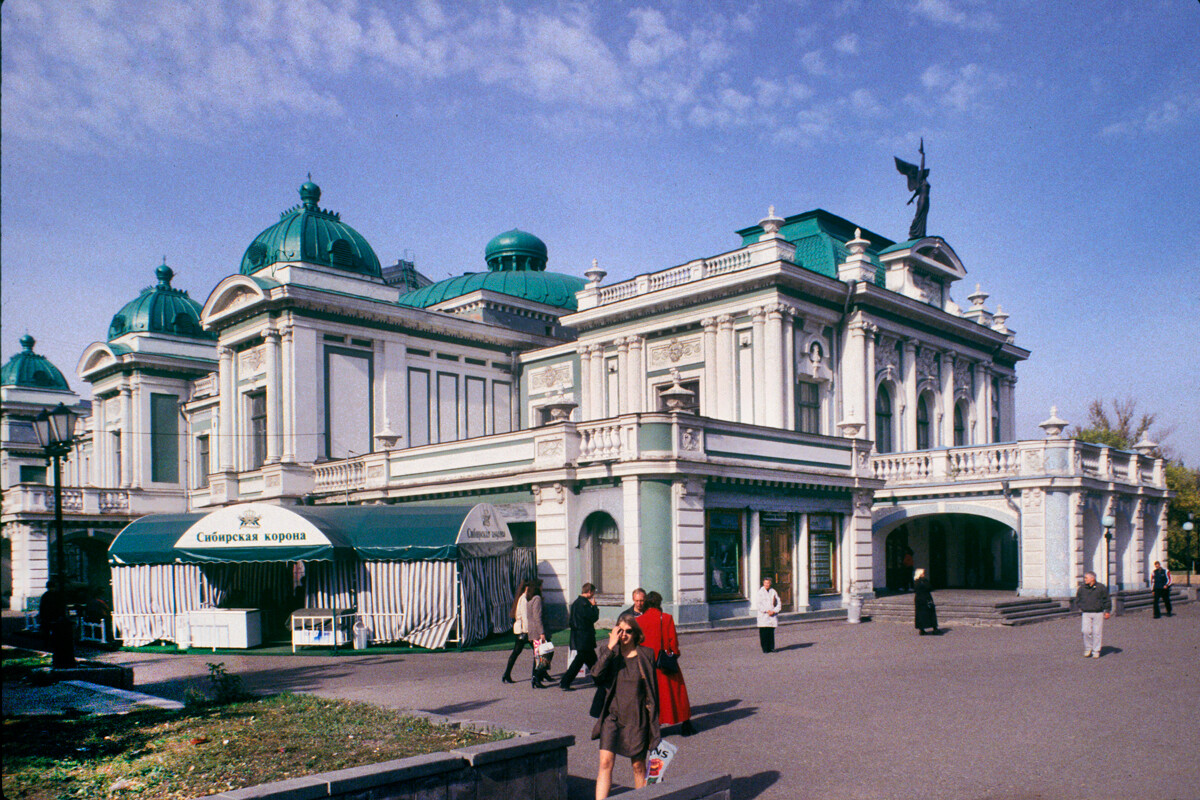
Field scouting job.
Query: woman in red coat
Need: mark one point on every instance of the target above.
(659, 629)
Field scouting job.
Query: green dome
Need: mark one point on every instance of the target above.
(160, 309)
(517, 267)
(311, 234)
(32, 371)
(516, 250)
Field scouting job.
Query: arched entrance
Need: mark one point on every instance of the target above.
(602, 555)
(957, 551)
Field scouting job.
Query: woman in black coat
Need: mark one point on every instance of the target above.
(925, 613)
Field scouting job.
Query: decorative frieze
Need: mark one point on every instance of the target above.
(552, 378)
(928, 290)
(927, 367)
(251, 361)
(677, 350)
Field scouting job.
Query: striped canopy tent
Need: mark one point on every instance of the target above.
(413, 573)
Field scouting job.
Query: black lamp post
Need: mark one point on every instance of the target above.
(1109, 523)
(55, 430)
(1188, 527)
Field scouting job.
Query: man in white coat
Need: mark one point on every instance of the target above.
(768, 605)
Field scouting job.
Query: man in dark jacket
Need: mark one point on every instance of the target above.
(1093, 601)
(583, 634)
(1160, 582)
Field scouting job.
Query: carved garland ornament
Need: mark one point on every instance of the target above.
(551, 377)
(675, 351)
(549, 448)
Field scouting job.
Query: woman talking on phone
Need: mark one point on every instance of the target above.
(628, 724)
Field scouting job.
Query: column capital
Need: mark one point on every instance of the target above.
(595, 347)
(910, 344)
(224, 351)
(759, 313)
(709, 323)
(583, 350)
(725, 321)
(864, 327)
(126, 391)
(271, 335)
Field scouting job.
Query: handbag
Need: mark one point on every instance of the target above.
(543, 654)
(666, 662)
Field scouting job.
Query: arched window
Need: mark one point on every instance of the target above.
(923, 422)
(960, 425)
(883, 420)
(604, 554)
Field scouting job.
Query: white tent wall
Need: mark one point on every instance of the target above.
(487, 596)
(147, 598)
(429, 596)
(330, 584)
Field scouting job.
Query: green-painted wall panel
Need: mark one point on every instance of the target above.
(654, 436)
(657, 554)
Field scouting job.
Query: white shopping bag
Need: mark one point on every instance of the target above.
(583, 670)
(658, 760)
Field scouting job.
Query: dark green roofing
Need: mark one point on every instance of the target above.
(32, 371)
(820, 239)
(311, 234)
(516, 267)
(899, 246)
(160, 309)
(373, 533)
(516, 250)
(550, 288)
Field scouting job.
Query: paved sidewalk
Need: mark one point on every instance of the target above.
(77, 696)
(848, 711)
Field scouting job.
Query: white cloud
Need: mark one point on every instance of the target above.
(963, 89)
(946, 12)
(1162, 116)
(814, 62)
(847, 44)
(863, 101)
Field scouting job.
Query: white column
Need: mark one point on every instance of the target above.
(909, 373)
(274, 401)
(1008, 406)
(754, 551)
(726, 394)
(624, 384)
(598, 381)
(773, 366)
(101, 445)
(287, 379)
(789, 368)
(854, 381)
(983, 411)
(225, 409)
(585, 383)
(947, 399)
(759, 317)
(708, 399)
(869, 330)
(803, 586)
(127, 438)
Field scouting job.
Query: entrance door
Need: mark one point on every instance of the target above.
(776, 560)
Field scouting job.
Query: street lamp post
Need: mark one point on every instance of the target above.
(55, 430)
(1188, 527)
(1109, 523)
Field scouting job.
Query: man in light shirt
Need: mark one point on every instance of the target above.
(768, 605)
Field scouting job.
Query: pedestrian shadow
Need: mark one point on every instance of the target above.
(749, 786)
(797, 646)
(712, 708)
(1110, 651)
(720, 718)
(460, 708)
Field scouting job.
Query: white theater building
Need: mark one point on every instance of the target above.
(807, 405)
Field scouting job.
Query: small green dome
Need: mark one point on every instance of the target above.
(32, 371)
(160, 309)
(309, 233)
(516, 267)
(516, 250)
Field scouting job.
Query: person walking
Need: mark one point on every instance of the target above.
(518, 617)
(924, 611)
(628, 723)
(768, 605)
(582, 619)
(658, 627)
(535, 631)
(1160, 582)
(1095, 605)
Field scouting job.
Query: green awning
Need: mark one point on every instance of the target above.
(262, 532)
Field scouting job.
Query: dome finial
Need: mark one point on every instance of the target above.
(310, 193)
(27, 342)
(164, 274)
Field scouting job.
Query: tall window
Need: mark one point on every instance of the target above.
(164, 438)
(822, 554)
(995, 409)
(960, 425)
(202, 459)
(476, 415)
(501, 407)
(418, 407)
(602, 539)
(447, 389)
(723, 555)
(116, 440)
(808, 407)
(923, 422)
(258, 429)
(883, 420)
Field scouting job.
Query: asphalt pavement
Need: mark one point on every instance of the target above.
(848, 711)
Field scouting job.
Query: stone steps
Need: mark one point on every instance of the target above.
(1019, 611)
(1140, 599)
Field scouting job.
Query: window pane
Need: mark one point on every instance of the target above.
(164, 438)
(923, 423)
(808, 407)
(822, 554)
(202, 462)
(447, 407)
(883, 420)
(724, 555)
(475, 403)
(418, 407)
(258, 429)
(501, 407)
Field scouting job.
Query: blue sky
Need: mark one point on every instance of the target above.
(1063, 138)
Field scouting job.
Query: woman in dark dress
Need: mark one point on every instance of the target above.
(925, 614)
(628, 724)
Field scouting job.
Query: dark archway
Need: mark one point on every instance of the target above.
(958, 551)
(603, 555)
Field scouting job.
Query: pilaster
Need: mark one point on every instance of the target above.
(127, 443)
(225, 408)
(288, 396)
(725, 368)
(274, 399)
(708, 397)
(773, 373)
(909, 371)
(759, 322)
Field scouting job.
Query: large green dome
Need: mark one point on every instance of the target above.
(311, 234)
(516, 267)
(29, 370)
(160, 309)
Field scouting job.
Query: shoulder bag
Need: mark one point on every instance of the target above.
(666, 662)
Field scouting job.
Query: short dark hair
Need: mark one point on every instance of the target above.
(587, 588)
(654, 600)
(631, 620)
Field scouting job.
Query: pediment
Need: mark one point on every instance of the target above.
(96, 357)
(232, 294)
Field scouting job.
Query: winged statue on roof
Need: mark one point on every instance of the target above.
(918, 184)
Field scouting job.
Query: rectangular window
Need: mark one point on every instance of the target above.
(723, 555)
(822, 554)
(612, 387)
(808, 407)
(447, 407)
(745, 378)
(501, 407)
(476, 418)
(349, 403)
(418, 407)
(164, 438)
(258, 429)
(202, 462)
(116, 440)
(32, 474)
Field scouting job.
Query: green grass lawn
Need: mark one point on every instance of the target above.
(205, 750)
